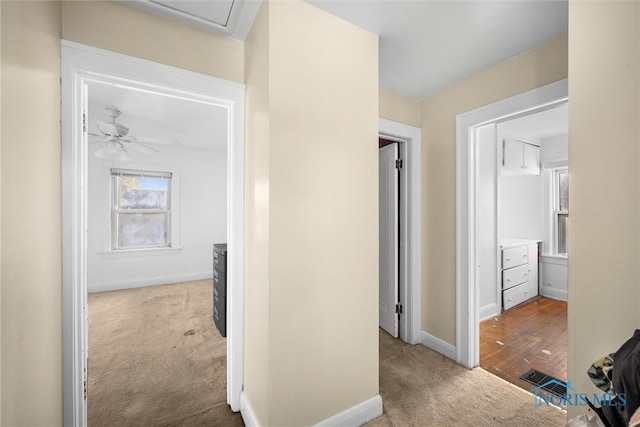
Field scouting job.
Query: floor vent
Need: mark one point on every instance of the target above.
(546, 382)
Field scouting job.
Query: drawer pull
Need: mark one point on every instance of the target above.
(508, 259)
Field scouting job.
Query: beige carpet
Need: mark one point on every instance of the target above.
(420, 387)
(156, 359)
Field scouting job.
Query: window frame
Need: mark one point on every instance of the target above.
(115, 175)
(556, 212)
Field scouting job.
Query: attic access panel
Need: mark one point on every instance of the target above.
(217, 12)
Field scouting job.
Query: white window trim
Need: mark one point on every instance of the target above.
(115, 210)
(549, 244)
(106, 232)
(555, 210)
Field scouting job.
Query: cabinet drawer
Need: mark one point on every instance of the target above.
(220, 262)
(515, 276)
(219, 282)
(514, 296)
(513, 257)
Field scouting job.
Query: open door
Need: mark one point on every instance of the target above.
(388, 200)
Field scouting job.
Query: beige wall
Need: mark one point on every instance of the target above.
(256, 256)
(31, 218)
(540, 66)
(321, 176)
(604, 149)
(120, 28)
(398, 108)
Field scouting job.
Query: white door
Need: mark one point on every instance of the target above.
(388, 176)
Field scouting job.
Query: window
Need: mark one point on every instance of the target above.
(560, 209)
(141, 209)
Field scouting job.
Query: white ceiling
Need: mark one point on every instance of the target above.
(547, 123)
(196, 125)
(427, 45)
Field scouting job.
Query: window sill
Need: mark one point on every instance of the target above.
(555, 259)
(146, 252)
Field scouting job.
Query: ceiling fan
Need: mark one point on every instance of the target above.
(114, 139)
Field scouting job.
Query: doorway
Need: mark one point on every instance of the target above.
(521, 244)
(80, 66)
(467, 285)
(407, 140)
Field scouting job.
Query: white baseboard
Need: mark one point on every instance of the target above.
(559, 294)
(247, 413)
(356, 415)
(165, 280)
(438, 345)
(489, 311)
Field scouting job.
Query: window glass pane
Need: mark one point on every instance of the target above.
(562, 233)
(563, 191)
(136, 230)
(143, 192)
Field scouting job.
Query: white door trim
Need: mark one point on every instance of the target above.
(410, 178)
(80, 64)
(467, 310)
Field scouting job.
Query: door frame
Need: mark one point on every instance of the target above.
(410, 139)
(80, 64)
(467, 298)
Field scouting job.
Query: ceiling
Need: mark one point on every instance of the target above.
(544, 124)
(425, 46)
(196, 125)
(428, 45)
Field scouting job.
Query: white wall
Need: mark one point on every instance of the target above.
(198, 215)
(521, 207)
(488, 285)
(520, 202)
(553, 269)
(554, 148)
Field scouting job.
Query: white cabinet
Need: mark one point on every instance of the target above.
(519, 274)
(520, 158)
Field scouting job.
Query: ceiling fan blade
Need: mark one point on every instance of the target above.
(97, 138)
(153, 140)
(140, 147)
(108, 129)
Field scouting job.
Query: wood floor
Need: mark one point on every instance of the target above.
(532, 335)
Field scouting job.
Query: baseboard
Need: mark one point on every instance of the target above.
(553, 293)
(438, 345)
(356, 415)
(489, 311)
(248, 416)
(140, 283)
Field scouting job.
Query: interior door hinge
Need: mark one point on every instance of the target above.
(85, 389)
(399, 308)
(398, 163)
(84, 121)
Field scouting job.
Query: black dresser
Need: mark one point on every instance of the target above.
(220, 287)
